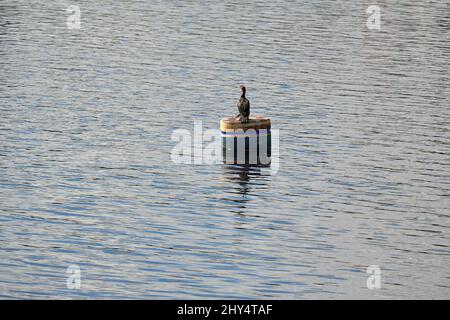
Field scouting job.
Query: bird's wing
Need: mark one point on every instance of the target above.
(240, 106)
(246, 107)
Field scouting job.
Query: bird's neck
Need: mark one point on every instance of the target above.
(243, 95)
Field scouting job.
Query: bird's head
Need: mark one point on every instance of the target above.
(242, 89)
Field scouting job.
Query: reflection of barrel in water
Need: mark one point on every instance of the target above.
(244, 178)
(240, 175)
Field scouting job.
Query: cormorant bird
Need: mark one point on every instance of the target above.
(243, 106)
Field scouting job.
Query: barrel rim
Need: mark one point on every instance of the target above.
(255, 122)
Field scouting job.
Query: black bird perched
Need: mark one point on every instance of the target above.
(243, 106)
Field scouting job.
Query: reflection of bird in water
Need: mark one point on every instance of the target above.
(243, 106)
(243, 180)
(239, 174)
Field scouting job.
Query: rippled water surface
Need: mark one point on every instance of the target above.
(86, 177)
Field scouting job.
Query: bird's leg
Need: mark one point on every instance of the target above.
(244, 119)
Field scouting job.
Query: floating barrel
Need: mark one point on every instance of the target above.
(246, 143)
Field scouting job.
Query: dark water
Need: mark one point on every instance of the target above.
(86, 178)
